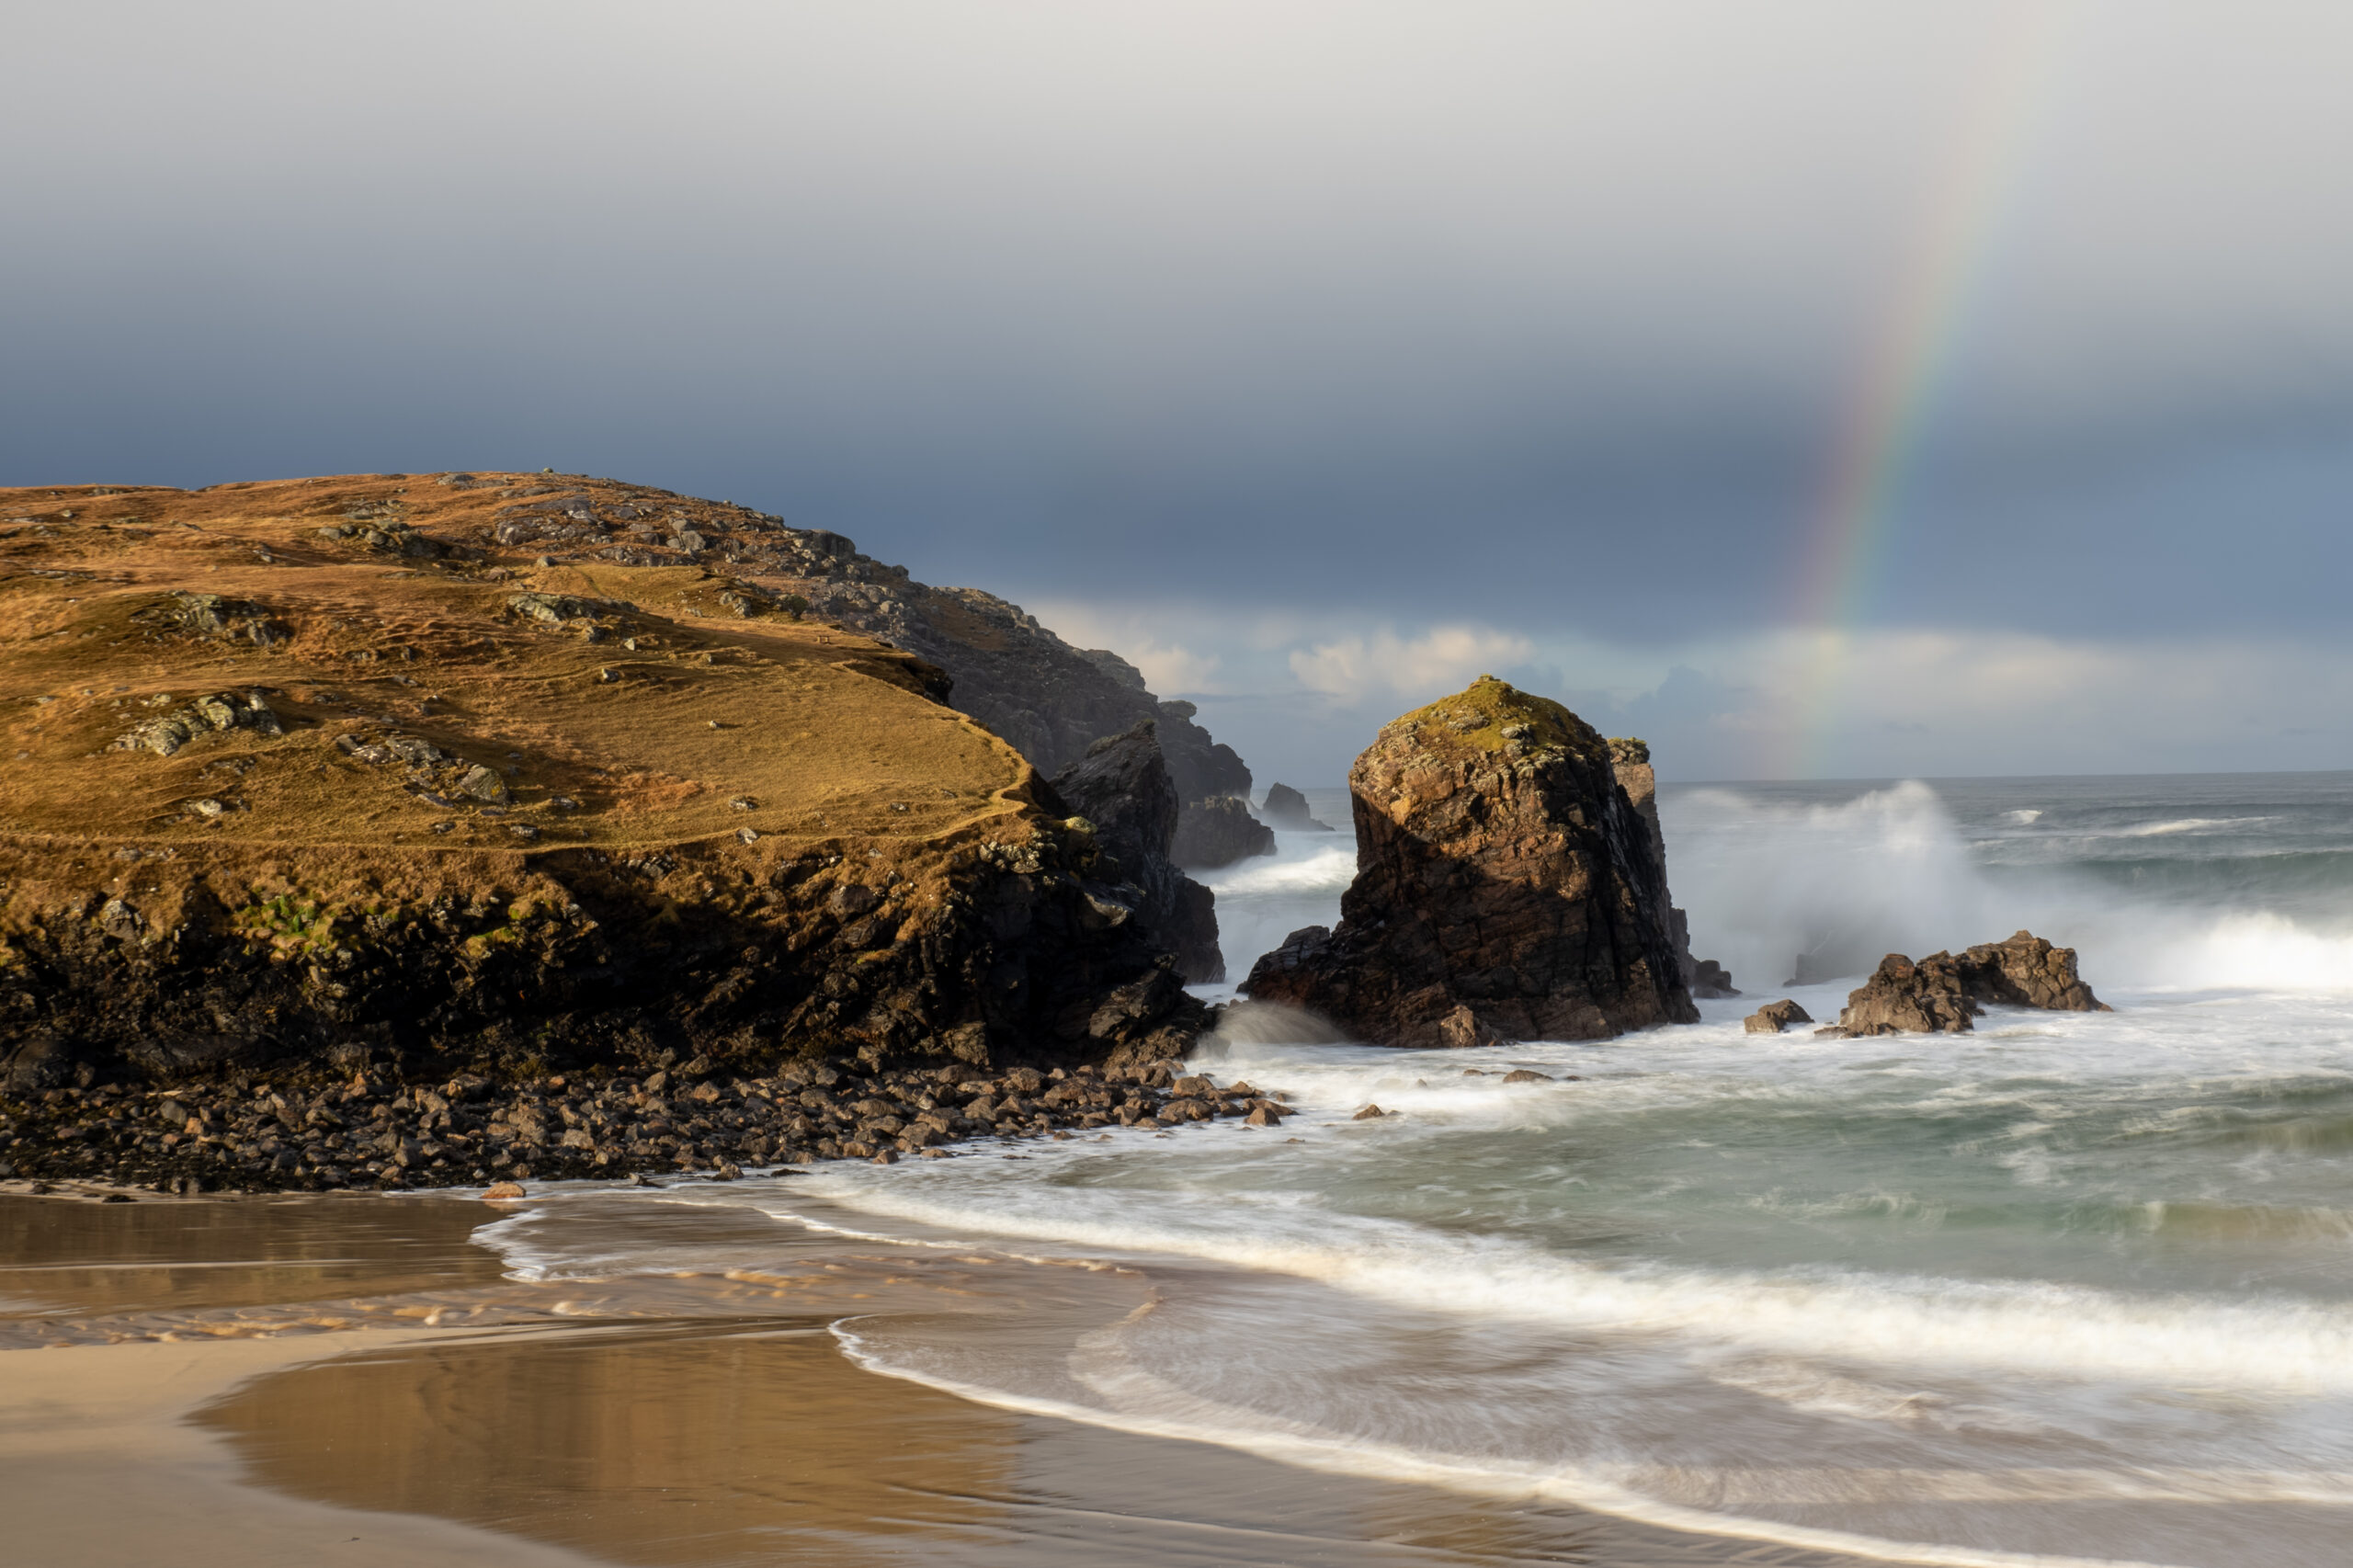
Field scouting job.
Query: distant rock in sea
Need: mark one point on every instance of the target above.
(1287, 808)
(1506, 887)
(1943, 991)
(1775, 1016)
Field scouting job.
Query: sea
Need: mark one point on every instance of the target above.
(2071, 1288)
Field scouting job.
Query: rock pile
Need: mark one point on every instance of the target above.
(1505, 888)
(1943, 991)
(244, 1134)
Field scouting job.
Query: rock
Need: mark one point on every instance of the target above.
(1505, 875)
(203, 716)
(1370, 1113)
(1121, 788)
(1286, 808)
(1218, 832)
(1528, 1075)
(1263, 1116)
(504, 1192)
(1709, 978)
(483, 784)
(2028, 972)
(1942, 993)
(1775, 1016)
(1903, 997)
(1629, 759)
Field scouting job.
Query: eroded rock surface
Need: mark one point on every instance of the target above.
(1943, 991)
(1220, 831)
(1629, 759)
(1506, 887)
(1122, 790)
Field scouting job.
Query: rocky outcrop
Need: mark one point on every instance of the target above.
(1506, 887)
(1287, 808)
(1220, 831)
(1775, 1016)
(1122, 790)
(482, 816)
(1629, 759)
(1943, 991)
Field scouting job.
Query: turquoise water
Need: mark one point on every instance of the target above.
(2072, 1288)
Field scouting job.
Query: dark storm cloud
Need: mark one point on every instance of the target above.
(1510, 313)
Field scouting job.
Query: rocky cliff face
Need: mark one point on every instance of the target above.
(1220, 831)
(332, 771)
(1506, 887)
(1943, 991)
(1631, 761)
(1122, 790)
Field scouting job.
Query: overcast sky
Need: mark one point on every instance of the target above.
(1316, 355)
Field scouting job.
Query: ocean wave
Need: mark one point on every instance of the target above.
(2014, 1327)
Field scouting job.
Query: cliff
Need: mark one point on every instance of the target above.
(506, 773)
(1122, 790)
(1505, 888)
(1049, 699)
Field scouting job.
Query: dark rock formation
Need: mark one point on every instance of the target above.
(1775, 1016)
(1220, 831)
(1286, 808)
(1629, 759)
(1506, 887)
(1943, 991)
(1709, 978)
(1121, 788)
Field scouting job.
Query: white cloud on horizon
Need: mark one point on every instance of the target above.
(1299, 694)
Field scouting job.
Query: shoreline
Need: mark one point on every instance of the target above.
(658, 1420)
(254, 1133)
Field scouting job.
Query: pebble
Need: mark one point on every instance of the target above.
(246, 1131)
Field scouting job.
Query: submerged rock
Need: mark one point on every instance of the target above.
(1122, 790)
(1287, 808)
(1943, 991)
(1506, 887)
(1218, 832)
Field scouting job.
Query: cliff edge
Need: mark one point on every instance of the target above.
(355, 770)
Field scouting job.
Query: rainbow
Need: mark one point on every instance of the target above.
(1906, 359)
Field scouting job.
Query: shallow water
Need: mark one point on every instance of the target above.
(2074, 1287)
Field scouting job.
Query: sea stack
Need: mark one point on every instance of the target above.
(1506, 887)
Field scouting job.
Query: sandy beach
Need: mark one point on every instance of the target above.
(348, 1379)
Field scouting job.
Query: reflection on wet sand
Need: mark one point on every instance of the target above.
(661, 1417)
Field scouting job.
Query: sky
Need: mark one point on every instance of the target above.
(1821, 389)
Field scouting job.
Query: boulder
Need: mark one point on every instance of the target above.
(1943, 991)
(1775, 1016)
(1122, 790)
(1218, 832)
(1506, 887)
(1287, 808)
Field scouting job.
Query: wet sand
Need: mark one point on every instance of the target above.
(349, 1379)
